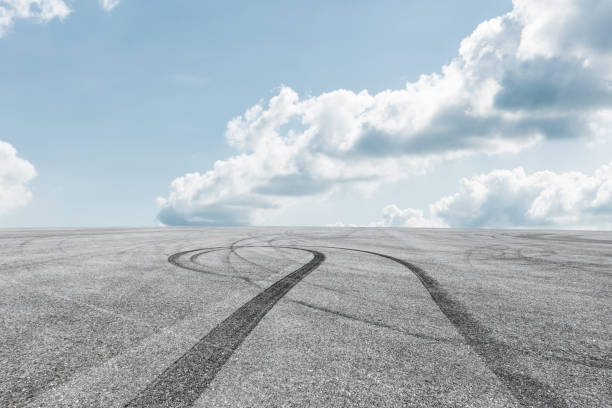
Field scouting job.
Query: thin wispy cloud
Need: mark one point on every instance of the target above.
(541, 72)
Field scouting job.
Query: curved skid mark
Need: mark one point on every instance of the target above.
(183, 382)
(234, 251)
(497, 356)
(375, 323)
(228, 257)
(175, 260)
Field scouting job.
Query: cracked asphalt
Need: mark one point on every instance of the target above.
(226, 317)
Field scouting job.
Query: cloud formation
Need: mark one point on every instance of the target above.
(513, 198)
(108, 5)
(39, 10)
(542, 71)
(15, 174)
(393, 216)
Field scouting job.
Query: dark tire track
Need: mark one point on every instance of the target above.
(183, 382)
(498, 357)
(375, 323)
(228, 257)
(176, 261)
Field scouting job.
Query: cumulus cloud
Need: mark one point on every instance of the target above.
(393, 216)
(108, 5)
(513, 198)
(39, 10)
(540, 72)
(15, 174)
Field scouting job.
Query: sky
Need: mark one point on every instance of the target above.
(393, 113)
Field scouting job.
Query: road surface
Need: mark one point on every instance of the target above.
(292, 317)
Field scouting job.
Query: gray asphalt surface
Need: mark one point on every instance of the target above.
(227, 317)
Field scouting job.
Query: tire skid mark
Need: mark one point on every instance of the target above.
(547, 260)
(498, 357)
(70, 257)
(234, 251)
(228, 261)
(185, 380)
(375, 323)
(197, 267)
(194, 258)
(175, 260)
(231, 251)
(76, 302)
(270, 242)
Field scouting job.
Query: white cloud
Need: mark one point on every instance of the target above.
(393, 216)
(15, 174)
(340, 224)
(539, 72)
(108, 5)
(39, 10)
(512, 198)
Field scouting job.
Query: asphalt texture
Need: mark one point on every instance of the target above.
(313, 317)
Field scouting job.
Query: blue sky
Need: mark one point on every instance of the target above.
(111, 106)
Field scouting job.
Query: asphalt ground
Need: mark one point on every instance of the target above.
(231, 317)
